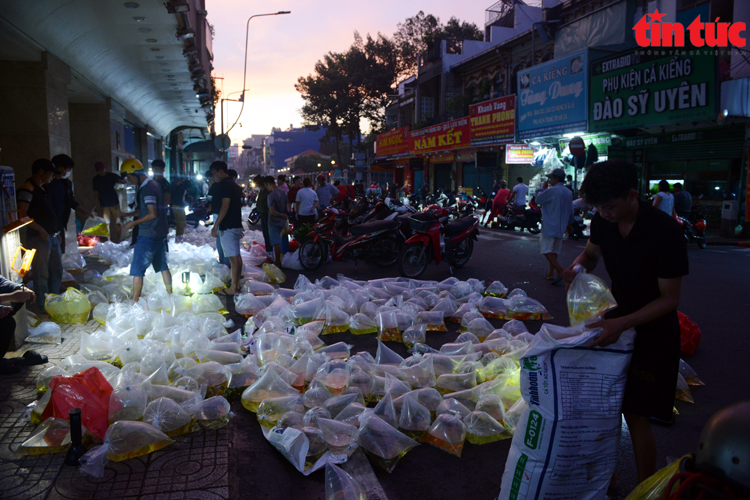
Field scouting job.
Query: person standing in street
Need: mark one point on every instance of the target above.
(683, 201)
(518, 196)
(499, 202)
(158, 167)
(281, 182)
(291, 198)
(556, 203)
(151, 245)
(261, 204)
(106, 201)
(63, 200)
(278, 222)
(664, 199)
(326, 193)
(180, 201)
(228, 225)
(306, 203)
(35, 201)
(645, 254)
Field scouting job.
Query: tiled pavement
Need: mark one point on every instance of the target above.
(194, 467)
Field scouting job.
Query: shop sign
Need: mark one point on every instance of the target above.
(696, 135)
(493, 122)
(441, 137)
(393, 143)
(635, 89)
(552, 97)
(519, 153)
(601, 142)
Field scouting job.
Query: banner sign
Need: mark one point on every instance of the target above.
(441, 137)
(552, 97)
(634, 89)
(493, 122)
(519, 153)
(393, 143)
(601, 142)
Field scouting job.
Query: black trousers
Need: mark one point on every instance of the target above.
(7, 330)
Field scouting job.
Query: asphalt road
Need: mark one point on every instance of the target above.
(714, 295)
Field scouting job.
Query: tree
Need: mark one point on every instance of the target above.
(412, 37)
(416, 34)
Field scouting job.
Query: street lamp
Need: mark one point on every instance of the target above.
(247, 33)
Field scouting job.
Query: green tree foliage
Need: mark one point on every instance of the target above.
(417, 33)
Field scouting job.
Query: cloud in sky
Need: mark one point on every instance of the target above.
(283, 48)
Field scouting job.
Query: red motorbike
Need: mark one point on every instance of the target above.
(453, 242)
(376, 242)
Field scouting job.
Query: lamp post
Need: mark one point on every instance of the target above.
(247, 33)
(244, 70)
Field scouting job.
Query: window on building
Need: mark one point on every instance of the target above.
(427, 107)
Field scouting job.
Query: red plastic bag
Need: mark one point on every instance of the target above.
(89, 391)
(690, 335)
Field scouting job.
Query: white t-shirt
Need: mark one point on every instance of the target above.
(667, 202)
(521, 191)
(306, 198)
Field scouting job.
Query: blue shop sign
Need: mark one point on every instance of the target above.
(552, 97)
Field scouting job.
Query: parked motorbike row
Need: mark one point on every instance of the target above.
(387, 232)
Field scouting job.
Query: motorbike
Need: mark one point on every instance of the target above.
(253, 218)
(522, 217)
(694, 227)
(376, 242)
(434, 240)
(577, 226)
(198, 212)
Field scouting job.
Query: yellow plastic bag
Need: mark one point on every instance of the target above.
(274, 274)
(653, 487)
(72, 307)
(95, 226)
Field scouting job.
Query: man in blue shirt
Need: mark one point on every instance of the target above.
(556, 203)
(151, 246)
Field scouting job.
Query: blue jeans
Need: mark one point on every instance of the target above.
(47, 268)
(149, 251)
(222, 259)
(264, 228)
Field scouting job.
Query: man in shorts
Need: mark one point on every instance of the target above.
(151, 245)
(645, 254)
(106, 201)
(228, 225)
(557, 206)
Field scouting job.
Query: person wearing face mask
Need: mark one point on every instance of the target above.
(34, 201)
(63, 200)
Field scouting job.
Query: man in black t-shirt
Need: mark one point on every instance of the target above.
(228, 225)
(645, 255)
(180, 200)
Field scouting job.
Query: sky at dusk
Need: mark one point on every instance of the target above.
(283, 48)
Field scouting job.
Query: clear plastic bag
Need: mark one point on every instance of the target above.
(496, 289)
(433, 320)
(481, 428)
(338, 436)
(169, 417)
(275, 275)
(269, 385)
(525, 308)
(127, 403)
(271, 410)
(342, 486)
(416, 334)
(448, 433)
(95, 226)
(362, 324)
(52, 436)
(415, 418)
(45, 333)
(383, 443)
(588, 297)
(212, 413)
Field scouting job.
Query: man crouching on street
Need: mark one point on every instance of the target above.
(151, 245)
(646, 257)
